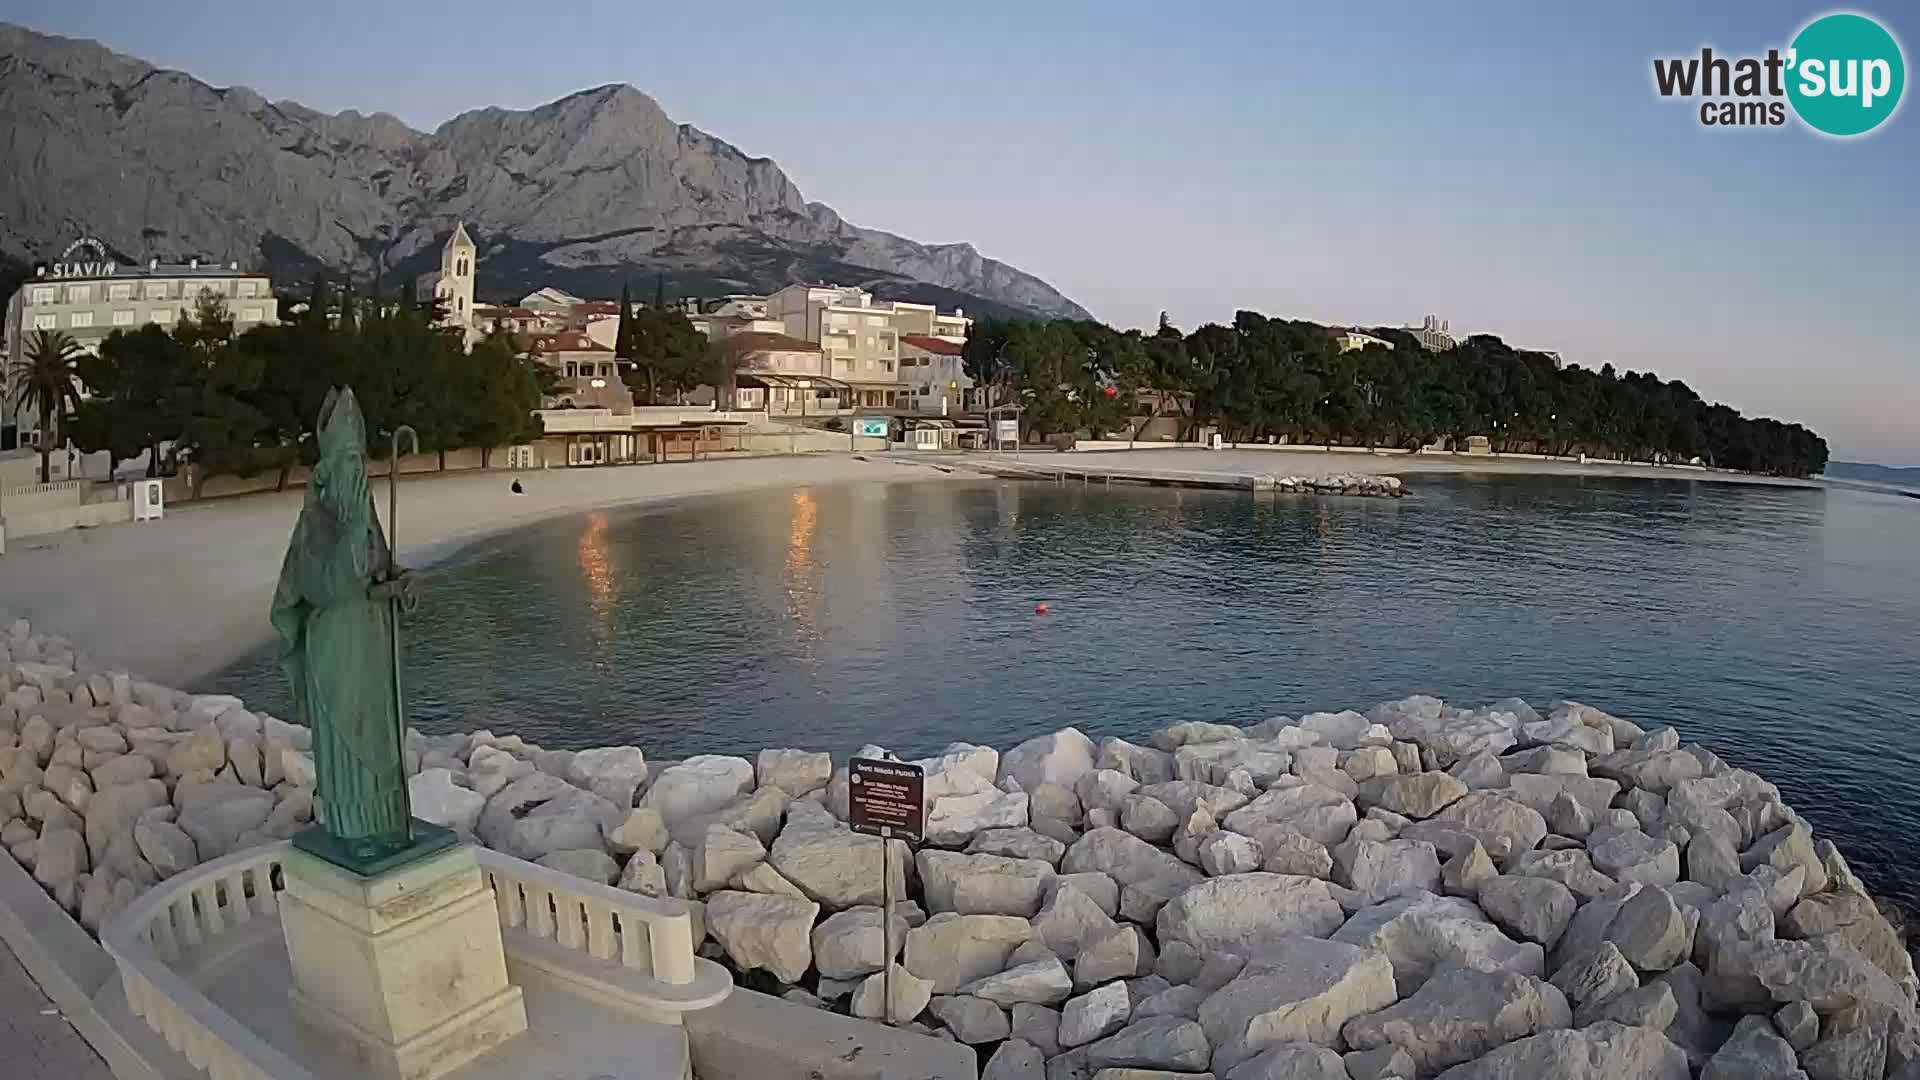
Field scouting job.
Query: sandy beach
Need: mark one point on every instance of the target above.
(177, 599)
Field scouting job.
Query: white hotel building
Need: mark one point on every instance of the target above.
(87, 295)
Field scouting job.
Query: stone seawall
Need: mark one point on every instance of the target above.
(1419, 890)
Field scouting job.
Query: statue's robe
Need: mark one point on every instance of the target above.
(337, 650)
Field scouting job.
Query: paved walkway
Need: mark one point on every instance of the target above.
(36, 1042)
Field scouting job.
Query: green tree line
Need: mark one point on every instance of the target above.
(1263, 379)
(246, 404)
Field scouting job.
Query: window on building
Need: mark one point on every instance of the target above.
(160, 315)
(463, 268)
(246, 288)
(81, 319)
(123, 291)
(79, 294)
(44, 294)
(573, 371)
(123, 317)
(459, 303)
(251, 314)
(156, 290)
(46, 322)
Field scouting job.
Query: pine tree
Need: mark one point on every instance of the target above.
(659, 292)
(623, 336)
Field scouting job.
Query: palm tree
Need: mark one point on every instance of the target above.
(49, 380)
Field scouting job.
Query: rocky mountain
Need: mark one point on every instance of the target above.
(584, 192)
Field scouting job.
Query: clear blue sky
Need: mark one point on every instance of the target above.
(1507, 166)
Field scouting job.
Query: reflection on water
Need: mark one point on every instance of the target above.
(1775, 625)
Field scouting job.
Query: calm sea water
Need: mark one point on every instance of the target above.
(1775, 625)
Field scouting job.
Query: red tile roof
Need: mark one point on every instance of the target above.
(559, 341)
(932, 344)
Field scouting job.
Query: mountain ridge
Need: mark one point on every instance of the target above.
(585, 191)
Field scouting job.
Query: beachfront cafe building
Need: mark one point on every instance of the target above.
(590, 419)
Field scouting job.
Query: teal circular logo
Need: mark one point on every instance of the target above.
(1845, 74)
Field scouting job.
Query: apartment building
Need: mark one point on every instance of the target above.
(859, 337)
(1433, 334)
(936, 378)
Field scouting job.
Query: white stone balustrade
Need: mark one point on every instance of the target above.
(610, 947)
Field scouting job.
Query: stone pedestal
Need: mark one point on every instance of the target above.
(407, 965)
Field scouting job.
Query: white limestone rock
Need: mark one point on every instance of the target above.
(1785, 848)
(832, 864)
(1037, 982)
(767, 933)
(1060, 758)
(982, 884)
(1017, 843)
(1070, 921)
(589, 863)
(953, 819)
(1094, 1015)
(1291, 1061)
(850, 944)
(614, 773)
(1301, 994)
(1422, 933)
(489, 769)
(972, 1020)
(1755, 1052)
(1163, 1042)
(1655, 770)
(1126, 859)
(1531, 909)
(1148, 818)
(436, 798)
(1461, 1014)
(642, 829)
(1115, 956)
(1318, 813)
(60, 859)
(1188, 732)
(219, 816)
(699, 785)
(1341, 730)
(722, 855)
(1630, 856)
(643, 874)
(539, 813)
(1420, 795)
(1221, 852)
(1183, 797)
(910, 996)
(1467, 870)
(112, 812)
(796, 772)
(954, 950)
(166, 846)
(1502, 825)
(1387, 1062)
(1595, 975)
(1652, 931)
(1571, 867)
(1145, 764)
(1652, 1006)
(1378, 870)
(1017, 1059)
(1213, 762)
(1605, 1051)
(1251, 915)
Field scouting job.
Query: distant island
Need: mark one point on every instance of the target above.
(1867, 472)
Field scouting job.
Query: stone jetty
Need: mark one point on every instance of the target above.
(1421, 890)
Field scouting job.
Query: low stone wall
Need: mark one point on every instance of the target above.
(1418, 890)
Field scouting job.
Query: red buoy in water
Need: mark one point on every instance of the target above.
(1040, 608)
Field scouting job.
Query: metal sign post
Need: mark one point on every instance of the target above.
(886, 799)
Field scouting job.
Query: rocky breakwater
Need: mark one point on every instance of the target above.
(1335, 484)
(1422, 890)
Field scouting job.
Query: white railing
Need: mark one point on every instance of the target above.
(185, 912)
(650, 939)
(650, 936)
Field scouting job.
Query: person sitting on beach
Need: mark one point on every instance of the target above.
(517, 489)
